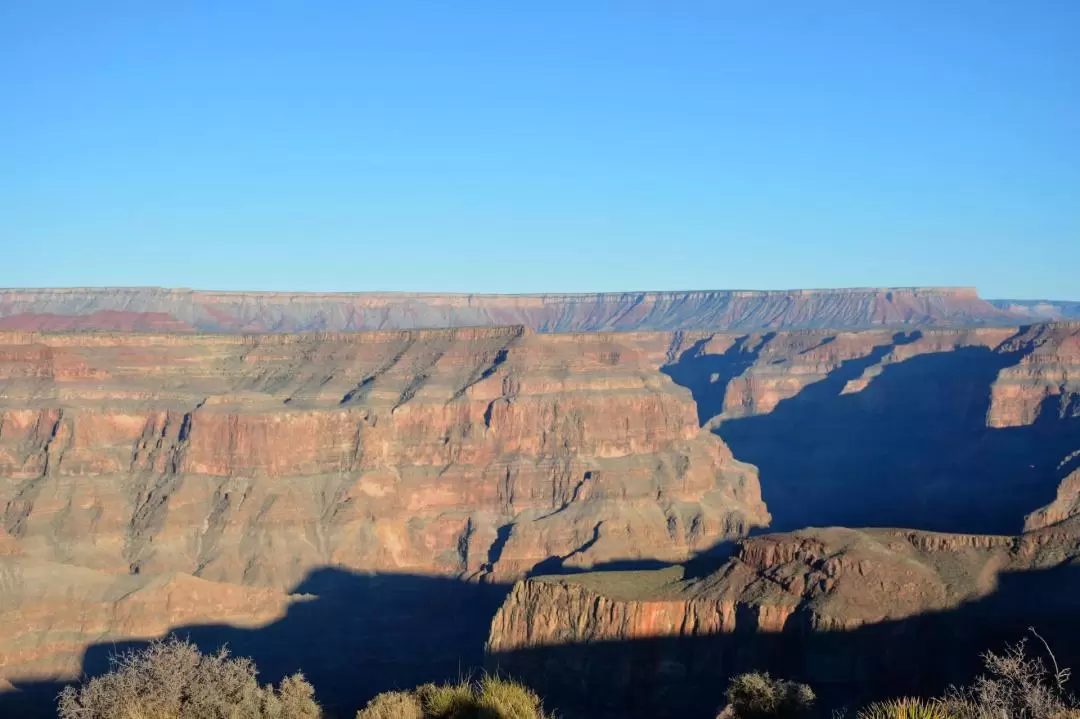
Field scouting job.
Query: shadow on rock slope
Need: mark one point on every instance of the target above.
(911, 449)
(680, 677)
(355, 636)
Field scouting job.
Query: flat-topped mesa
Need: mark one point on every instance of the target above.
(162, 309)
(833, 578)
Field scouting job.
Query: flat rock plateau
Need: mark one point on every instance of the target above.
(177, 310)
(361, 487)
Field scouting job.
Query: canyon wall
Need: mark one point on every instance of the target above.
(159, 309)
(960, 430)
(283, 490)
(239, 462)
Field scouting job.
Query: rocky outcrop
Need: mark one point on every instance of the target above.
(857, 613)
(150, 308)
(1045, 383)
(822, 579)
(1067, 502)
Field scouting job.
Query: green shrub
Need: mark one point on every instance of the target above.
(760, 696)
(447, 701)
(490, 698)
(393, 705)
(504, 699)
(1015, 684)
(172, 679)
(908, 708)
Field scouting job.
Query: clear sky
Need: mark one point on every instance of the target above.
(563, 145)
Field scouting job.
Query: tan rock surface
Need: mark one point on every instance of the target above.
(253, 460)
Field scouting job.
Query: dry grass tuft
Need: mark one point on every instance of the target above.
(491, 698)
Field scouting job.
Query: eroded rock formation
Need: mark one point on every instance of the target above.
(251, 461)
(857, 613)
(947, 430)
(206, 481)
(944, 428)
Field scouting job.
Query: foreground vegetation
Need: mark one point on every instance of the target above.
(490, 698)
(1015, 684)
(172, 679)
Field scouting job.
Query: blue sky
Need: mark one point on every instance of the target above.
(566, 145)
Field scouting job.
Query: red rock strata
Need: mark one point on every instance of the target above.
(191, 478)
(249, 461)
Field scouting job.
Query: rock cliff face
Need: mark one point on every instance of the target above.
(960, 430)
(947, 430)
(857, 613)
(250, 461)
(194, 480)
(175, 309)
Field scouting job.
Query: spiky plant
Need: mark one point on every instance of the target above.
(906, 708)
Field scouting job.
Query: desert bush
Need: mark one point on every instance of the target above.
(504, 699)
(906, 709)
(447, 701)
(393, 705)
(490, 698)
(760, 696)
(171, 679)
(1015, 686)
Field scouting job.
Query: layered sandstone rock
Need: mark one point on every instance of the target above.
(824, 579)
(254, 460)
(149, 307)
(222, 466)
(754, 372)
(856, 613)
(1045, 380)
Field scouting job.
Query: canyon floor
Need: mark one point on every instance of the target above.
(645, 511)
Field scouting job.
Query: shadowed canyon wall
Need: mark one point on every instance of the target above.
(949, 430)
(860, 615)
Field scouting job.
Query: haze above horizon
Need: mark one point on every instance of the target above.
(564, 147)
